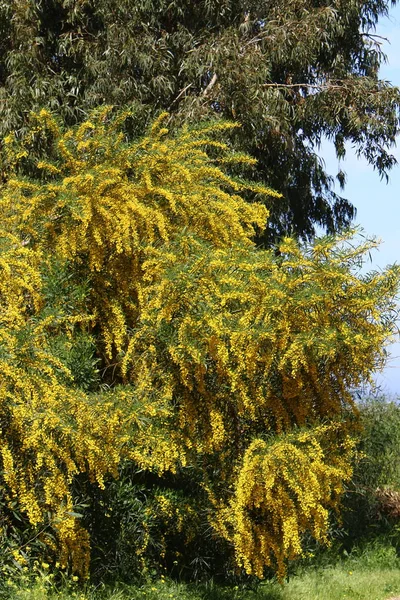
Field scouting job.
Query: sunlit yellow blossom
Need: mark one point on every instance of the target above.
(209, 352)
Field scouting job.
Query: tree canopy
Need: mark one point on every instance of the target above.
(292, 73)
(139, 322)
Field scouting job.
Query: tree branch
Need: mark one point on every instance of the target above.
(313, 86)
(375, 37)
(339, 84)
(179, 95)
(210, 85)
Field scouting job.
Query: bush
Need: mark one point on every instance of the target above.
(141, 326)
(372, 501)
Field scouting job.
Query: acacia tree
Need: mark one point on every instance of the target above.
(290, 72)
(140, 322)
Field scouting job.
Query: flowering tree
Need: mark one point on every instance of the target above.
(140, 322)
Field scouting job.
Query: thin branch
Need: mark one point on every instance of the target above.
(179, 95)
(312, 86)
(375, 36)
(338, 85)
(210, 85)
(35, 536)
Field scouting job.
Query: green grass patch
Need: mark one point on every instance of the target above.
(372, 573)
(339, 584)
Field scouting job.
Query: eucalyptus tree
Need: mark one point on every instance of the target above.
(290, 72)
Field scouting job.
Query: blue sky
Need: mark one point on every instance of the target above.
(378, 203)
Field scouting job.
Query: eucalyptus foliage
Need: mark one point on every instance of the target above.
(291, 72)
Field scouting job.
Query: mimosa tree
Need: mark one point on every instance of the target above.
(140, 322)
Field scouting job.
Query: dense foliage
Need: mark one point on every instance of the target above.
(140, 325)
(291, 72)
(372, 503)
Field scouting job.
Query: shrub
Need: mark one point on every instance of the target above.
(140, 323)
(371, 504)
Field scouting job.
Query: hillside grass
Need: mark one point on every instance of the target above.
(369, 574)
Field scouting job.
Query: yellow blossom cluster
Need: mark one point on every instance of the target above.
(283, 489)
(105, 202)
(258, 343)
(51, 432)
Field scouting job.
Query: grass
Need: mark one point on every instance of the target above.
(369, 574)
(339, 584)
